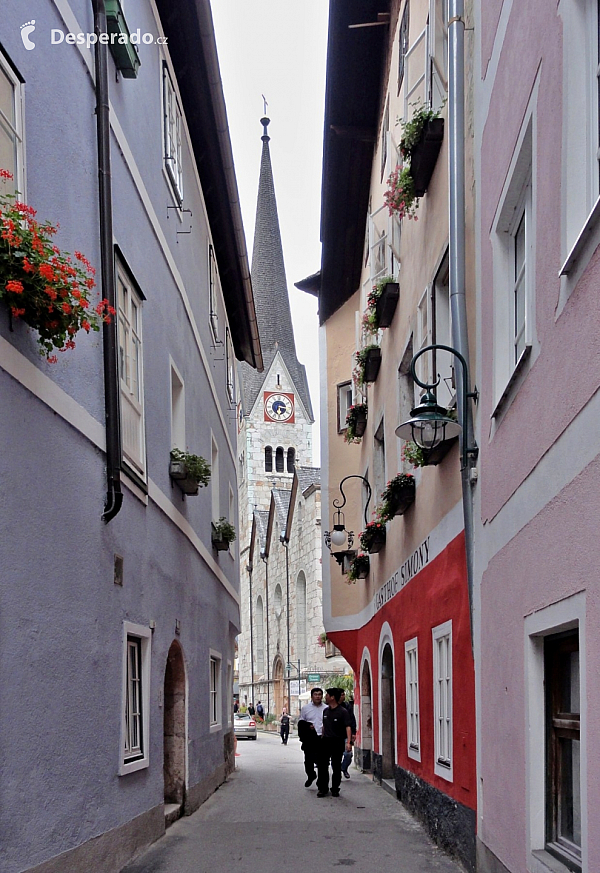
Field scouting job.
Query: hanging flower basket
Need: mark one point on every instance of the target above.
(419, 457)
(188, 471)
(368, 362)
(398, 495)
(356, 423)
(359, 569)
(372, 539)
(42, 286)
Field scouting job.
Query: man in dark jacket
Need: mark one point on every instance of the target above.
(337, 737)
(347, 759)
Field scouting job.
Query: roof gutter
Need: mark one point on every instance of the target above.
(209, 49)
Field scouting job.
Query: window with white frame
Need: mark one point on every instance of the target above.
(215, 691)
(230, 365)
(344, 393)
(413, 727)
(11, 124)
(131, 371)
(438, 52)
(513, 245)
(423, 365)
(442, 699)
(441, 332)
(214, 481)
(136, 705)
(403, 42)
(177, 410)
(385, 131)
(213, 282)
(172, 134)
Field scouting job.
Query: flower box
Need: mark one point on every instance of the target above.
(220, 545)
(424, 154)
(372, 539)
(385, 307)
(360, 567)
(401, 499)
(125, 55)
(222, 534)
(432, 457)
(344, 559)
(361, 423)
(179, 473)
(356, 423)
(372, 365)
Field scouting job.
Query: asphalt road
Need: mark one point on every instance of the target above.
(263, 819)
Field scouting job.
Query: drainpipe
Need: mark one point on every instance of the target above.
(249, 568)
(114, 497)
(266, 562)
(458, 303)
(284, 543)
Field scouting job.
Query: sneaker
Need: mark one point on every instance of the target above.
(335, 792)
(310, 780)
(346, 774)
(324, 793)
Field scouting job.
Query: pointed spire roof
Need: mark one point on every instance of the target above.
(269, 284)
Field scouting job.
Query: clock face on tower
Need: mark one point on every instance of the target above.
(279, 407)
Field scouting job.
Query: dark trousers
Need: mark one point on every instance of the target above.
(284, 732)
(332, 749)
(311, 748)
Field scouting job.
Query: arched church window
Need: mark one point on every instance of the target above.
(268, 459)
(279, 460)
(291, 460)
(301, 629)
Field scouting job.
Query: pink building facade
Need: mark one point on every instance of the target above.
(537, 598)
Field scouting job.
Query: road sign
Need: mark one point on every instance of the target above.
(314, 677)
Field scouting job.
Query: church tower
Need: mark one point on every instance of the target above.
(274, 412)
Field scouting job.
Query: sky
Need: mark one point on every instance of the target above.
(277, 48)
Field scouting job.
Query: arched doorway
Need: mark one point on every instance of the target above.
(388, 717)
(366, 717)
(174, 730)
(278, 690)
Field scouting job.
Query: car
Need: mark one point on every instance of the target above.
(244, 726)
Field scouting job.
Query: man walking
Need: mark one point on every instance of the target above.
(310, 733)
(337, 737)
(260, 711)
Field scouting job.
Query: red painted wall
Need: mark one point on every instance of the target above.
(436, 595)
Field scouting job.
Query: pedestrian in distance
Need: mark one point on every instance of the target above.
(336, 737)
(347, 757)
(236, 707)
(260, 711)
(284, 726)
(310, 727)
(251, 710)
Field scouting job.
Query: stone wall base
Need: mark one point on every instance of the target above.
(110, 852)
(487, 862)
(450, 824)
(201, 791)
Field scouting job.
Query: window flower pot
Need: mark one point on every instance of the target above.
(222, 534)
(434, 456)
(220, 545)
(356, 423)
(386, 303)
(344, 559)
(424, 155)
(361, 423)
(372, 365)
(359, 568)
(125, 55)
(372, 539)
(179, 473)
(401, 499)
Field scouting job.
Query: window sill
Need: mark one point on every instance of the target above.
(414, 753)
(543, 862)
(513, 379)
(215, 728)
(134, 766)
(445, 772)
(581, 241)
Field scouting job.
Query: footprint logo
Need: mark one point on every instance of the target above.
(26, 30)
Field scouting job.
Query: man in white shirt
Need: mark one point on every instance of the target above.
(312, 714)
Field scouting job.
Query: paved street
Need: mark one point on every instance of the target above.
(264, 819)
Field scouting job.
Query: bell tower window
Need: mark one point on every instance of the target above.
(279, 460)
(268, 459)
(291, 459)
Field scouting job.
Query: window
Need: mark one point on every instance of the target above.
(513, 272)
(11, 124)
(344, 398)
(136, 699)
(301, 635)
(230, 363)
(379, 479)
(385, 135)
(403, 43)
(413, 729)
(424, 336)
(213, 282)
(563, 788)
(214, 481)
(442, 362)
(291, 460)
(442, 699)
(231, 516)
(215, 691)
(279, 459)
(260, 636)
(268, 459)
(438, 52)
(172, 134)
(131, 371)
(177, 410)
(278, 600)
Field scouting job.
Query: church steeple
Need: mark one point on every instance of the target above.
(269, 284)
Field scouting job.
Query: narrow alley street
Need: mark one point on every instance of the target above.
(263, 819)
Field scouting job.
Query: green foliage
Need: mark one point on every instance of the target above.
(360, 562)
(413, 454)
(413, 129)
(224, 530)
(345, 682)
(361, 360)
(351, 420)
(197, 467)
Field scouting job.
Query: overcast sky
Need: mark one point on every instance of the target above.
(277, 48)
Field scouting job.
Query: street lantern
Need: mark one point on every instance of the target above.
(338, 535)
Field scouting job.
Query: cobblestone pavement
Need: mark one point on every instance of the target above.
(263, 819)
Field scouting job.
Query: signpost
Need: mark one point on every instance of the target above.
(314, 677)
